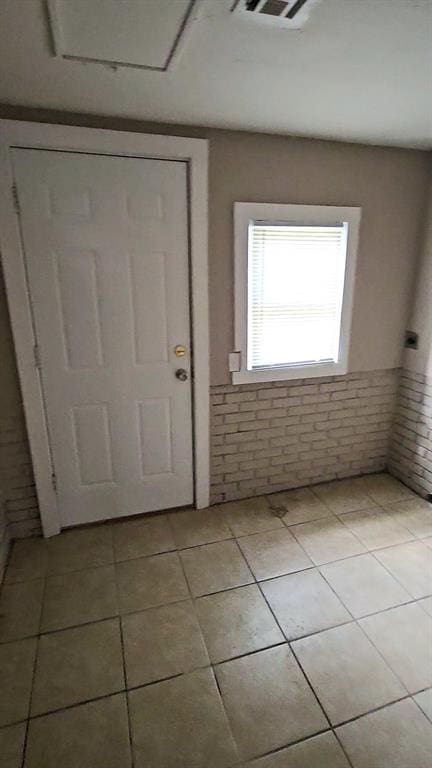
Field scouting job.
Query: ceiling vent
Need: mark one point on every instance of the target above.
(290, 14)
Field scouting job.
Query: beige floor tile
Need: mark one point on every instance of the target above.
(237, 622)
(303, 603)
(12, 745)
(181, 723)
(398, 736)
(80, 597)
(93, 735)
(77, 664)
(415, 514)
(80, 548)
(424, 700)
(29, 560)
(16, 674)
(343, 496)
(268, 701)
(327, 540)
(384, 489)
(192, 527)
(426, 604)
(273, 553)
(215, 567)
(364, 585)
(323, 751)
(142, 536)
(403, 636)
(150, 581)
(375, 528)
(250, 516)
(347, 672)
(162, 642)
(20, 608)
(301, 505)
(411, 564)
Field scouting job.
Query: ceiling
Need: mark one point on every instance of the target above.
(359, 70)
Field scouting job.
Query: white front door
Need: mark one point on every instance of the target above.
(106, 249)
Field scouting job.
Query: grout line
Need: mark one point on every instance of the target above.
(222, 698)
(364, 633)
(372, 711)
(300, 665)
(319, 519)
(120, 622)
(337, 597)
(283, 635)
(352, 534)
(196, 598)
(255, 581)
(6, 562)
(366, 615)
(413, 695)
(212, 665)
(80, 703)
(278, 750)
(339, 741)
(366, 549)
(357, 623)
(167, 678)
(114, 562)
(250, 653)
(411, 536)
(183, 570)
(125, 691)
(310, 684)
(35, 662)
(220, 541)
(393, 575)
(380, 653)
(132, 759)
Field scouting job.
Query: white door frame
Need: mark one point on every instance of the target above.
(17, 134)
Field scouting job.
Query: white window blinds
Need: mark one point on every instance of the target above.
(295, 293)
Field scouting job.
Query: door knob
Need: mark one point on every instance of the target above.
(182, 374)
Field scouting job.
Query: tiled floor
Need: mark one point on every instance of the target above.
(293, 631)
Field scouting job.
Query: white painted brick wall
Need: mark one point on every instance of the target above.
(410, 455)
(266, 438)
(269, 437)
(5, 539)
(17, 488)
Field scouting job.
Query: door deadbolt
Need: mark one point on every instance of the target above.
(181, 374)
(179, 350)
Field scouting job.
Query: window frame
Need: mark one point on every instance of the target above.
(309, 215)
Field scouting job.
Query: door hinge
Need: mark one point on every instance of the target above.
(37, 358)
(234, 362)
(54, 481)
(15, 199)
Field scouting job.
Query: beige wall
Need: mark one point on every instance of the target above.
(420, 360)
(389, 184)
(10, 394)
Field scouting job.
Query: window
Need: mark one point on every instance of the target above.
(294, 279)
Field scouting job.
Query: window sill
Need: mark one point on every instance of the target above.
(286, 374)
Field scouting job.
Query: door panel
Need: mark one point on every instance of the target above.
(155, 420)
(148, 295)
(93, 443)
(77, 282)
(106, 248)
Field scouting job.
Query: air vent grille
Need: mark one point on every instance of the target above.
(274, 7)
(286, 13)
